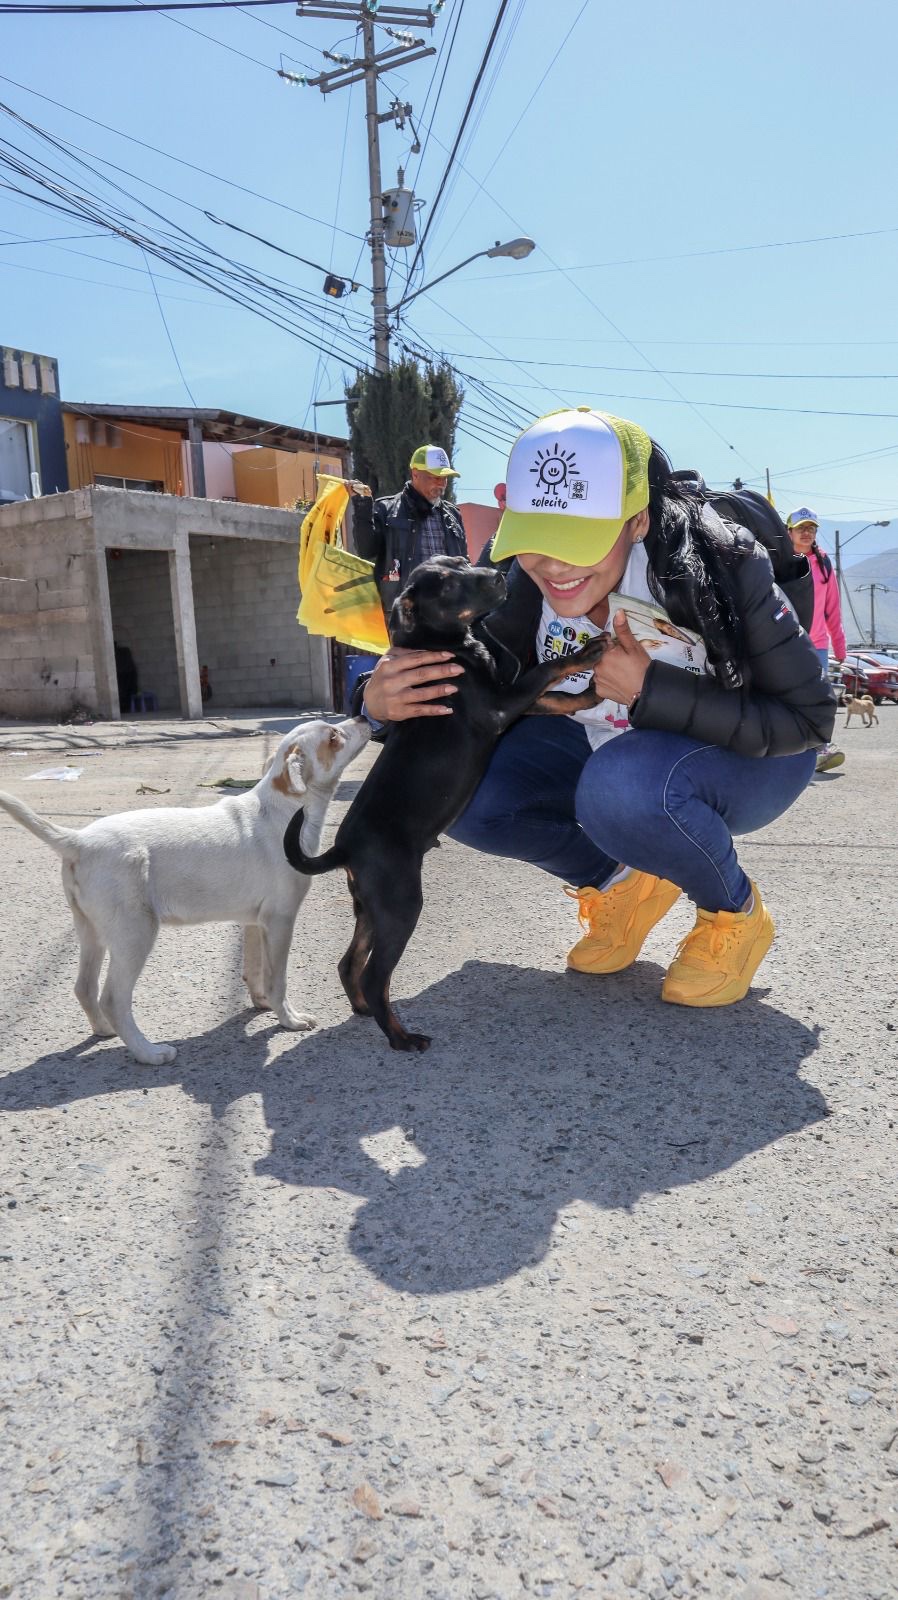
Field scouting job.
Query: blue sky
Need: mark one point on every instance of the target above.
(656, 146)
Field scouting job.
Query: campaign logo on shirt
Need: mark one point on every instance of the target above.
(564, 639)
(560, 637)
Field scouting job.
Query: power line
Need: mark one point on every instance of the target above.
(690, 344)
(233, 280)
(840, 461)
(484, 340)
(167, 154)
(188, 264)
(18, 162)
(503, 7)
(482, 103)
(165, 325)
(323, 370)
(66, 147)
(101, 283)
(54, 240)
(260, 239)
(147, 5)
(717, 405)
(731, 405)
(693, 255)
(555, 266)
(513, 130)
(688, 372)
(242, 283)
(447, 43)
(329, 309)
(694, 406)
(10, 8)
(264, 23)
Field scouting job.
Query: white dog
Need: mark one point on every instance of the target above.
(125, 875)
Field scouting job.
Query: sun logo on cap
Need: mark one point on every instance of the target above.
(552, 467)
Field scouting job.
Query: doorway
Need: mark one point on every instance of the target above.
(143, 627)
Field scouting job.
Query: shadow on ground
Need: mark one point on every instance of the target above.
(540, 1088)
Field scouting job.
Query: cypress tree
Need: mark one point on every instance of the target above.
(391, 413)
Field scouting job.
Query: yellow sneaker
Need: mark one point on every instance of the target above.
(716, 961)
(618, 921)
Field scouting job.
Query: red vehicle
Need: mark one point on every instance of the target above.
(868, 672)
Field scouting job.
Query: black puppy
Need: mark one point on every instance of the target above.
(425, 776)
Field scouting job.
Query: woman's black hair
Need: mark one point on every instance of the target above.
(692, 567)
(823, 562)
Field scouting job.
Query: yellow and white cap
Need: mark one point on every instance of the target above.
(574, 478)
(433, 459)
(802, 514)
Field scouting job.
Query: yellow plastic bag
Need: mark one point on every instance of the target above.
(339, 597)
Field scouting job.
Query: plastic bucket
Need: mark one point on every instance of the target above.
(354, 667)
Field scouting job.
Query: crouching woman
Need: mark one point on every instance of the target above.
(707, 730)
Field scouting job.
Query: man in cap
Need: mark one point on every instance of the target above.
(401, 530)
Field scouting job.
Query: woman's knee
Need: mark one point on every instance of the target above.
(618, 791)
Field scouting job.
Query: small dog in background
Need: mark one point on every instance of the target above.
(861, 706)
(126, 875)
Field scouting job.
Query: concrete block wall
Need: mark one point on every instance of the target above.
(57, 626)
(46, 639)
(245, 597)
(143, 619)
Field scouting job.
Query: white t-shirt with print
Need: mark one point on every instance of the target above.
(562, 636)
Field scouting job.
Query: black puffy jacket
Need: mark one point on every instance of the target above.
(786, 706)
(388, 532)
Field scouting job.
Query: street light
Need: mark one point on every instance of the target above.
(851, 536)
(516, 249)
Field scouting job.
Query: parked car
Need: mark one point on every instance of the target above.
(871, 672)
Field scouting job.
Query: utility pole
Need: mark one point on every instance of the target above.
(378, 254)
(363, 15)
(873, 588)
(838, 567)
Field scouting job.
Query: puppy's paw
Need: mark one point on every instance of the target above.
(156, 1055)
(102, 1026)
(260, 1001)
(410, 1041)
(590, 653)
(298, 1021)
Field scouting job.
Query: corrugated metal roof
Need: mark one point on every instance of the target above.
(227, 427)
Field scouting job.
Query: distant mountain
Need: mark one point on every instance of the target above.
(881, 568)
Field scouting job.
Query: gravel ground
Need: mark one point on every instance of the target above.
(596, 1298)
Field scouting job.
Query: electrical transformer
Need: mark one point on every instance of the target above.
(399, 218)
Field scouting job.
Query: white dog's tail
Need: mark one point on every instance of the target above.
(63, 840)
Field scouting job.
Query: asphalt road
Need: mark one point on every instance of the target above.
(596, 1298)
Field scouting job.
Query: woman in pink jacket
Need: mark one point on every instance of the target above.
(826, 627)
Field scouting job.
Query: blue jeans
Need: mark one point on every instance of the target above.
(658, 802)
(823, 657)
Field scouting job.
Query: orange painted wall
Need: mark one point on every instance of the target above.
(96, 447)
(268, 477)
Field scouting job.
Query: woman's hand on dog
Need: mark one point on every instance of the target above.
(411, 683)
